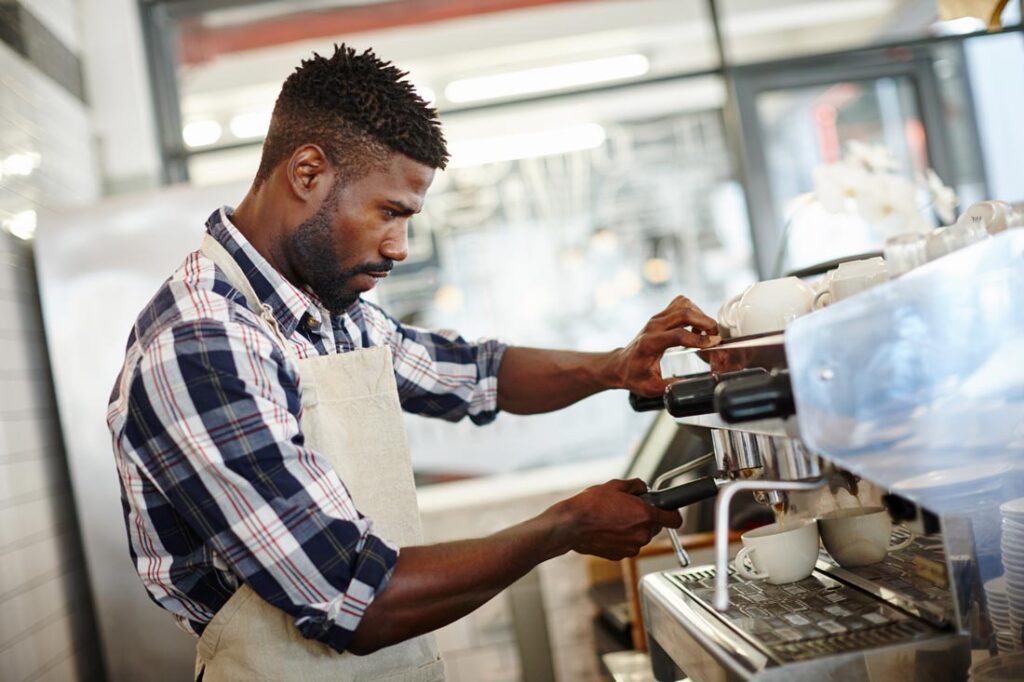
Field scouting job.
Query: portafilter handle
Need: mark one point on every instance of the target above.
(748, 398)
(682, 495)
(690, 396)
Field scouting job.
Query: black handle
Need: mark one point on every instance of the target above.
(690, 395)
(642, 404)
(682, 495)
(755, 397)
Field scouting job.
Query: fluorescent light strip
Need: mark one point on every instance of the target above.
(250, 124)
(526, 145)
(21, 225)
(201, 133)
(546, 78)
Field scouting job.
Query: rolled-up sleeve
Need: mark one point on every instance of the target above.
(214, 411)
(439, 373)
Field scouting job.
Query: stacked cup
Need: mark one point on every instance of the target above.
(1012, 546)
(999, 611)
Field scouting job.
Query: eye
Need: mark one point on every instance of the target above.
(391, 213)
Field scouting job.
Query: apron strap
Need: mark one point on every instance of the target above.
(216, 252)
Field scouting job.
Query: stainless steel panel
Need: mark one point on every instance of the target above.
(97, 268)
(918, 384)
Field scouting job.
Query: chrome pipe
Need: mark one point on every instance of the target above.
(695, 463)
(722, 446)
(747, 451)
(673, 535)
(725, 495)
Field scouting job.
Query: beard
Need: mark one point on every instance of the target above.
(317, 259)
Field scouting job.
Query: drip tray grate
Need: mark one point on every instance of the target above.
(812, 618)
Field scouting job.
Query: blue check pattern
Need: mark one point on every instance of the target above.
(218, 486)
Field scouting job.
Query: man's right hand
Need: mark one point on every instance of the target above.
(434, 585)
(611, 521)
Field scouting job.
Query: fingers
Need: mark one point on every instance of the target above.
(668, 518)
(658, 342)
(635, 486)
(632, 486)
(682, 312)
(694, 340)
(698, 319)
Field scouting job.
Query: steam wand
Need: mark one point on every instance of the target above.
(681, 555)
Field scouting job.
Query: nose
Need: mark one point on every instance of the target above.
(396, 243)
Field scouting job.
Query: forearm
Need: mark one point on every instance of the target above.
(438, 584)
(534, 380)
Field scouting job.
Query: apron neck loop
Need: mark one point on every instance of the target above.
(216, 252)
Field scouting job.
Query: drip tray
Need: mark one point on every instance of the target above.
(818, 616)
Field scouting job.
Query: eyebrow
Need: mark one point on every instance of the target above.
(404, 208)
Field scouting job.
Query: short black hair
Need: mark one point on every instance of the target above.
(356, 107)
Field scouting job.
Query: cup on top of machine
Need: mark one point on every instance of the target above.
(904, 252)
(779, 554)
(851, 277)
(858, 536)
(766, 306)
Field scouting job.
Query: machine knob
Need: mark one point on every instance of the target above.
(691, 395)
(642, 404)
(749, 398)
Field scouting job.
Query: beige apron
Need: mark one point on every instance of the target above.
(351, 416)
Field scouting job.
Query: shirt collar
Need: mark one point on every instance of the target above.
(291, 306)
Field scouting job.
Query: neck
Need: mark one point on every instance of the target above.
(264, 225)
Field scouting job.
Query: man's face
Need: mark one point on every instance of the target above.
(359, 232)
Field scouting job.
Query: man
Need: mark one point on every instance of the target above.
(257, 430)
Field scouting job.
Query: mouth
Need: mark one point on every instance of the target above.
(377, 275)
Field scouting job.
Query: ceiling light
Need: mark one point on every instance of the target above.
(200, 133)
(657, 271)
(21, 225)
(526, 145)
(20, 164)
(604, 240)
(250, 124)
(546, 78)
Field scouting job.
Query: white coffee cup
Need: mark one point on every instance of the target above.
(991, 216)
(779, 554)
(851, 278)
(904, 252)
(767, 306)
(858, 536)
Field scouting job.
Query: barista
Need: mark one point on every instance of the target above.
(257, 424)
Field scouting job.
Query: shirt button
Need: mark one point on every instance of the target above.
(312, 324)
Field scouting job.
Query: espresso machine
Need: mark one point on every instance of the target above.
(908, 396)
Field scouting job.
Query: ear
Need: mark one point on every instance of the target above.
(309, 173)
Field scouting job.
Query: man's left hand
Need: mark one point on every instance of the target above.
(680, 324)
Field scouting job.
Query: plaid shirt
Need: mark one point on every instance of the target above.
(217, 484)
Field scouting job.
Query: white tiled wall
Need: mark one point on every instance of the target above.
(46, 630)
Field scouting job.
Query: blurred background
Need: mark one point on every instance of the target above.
(607, 155)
